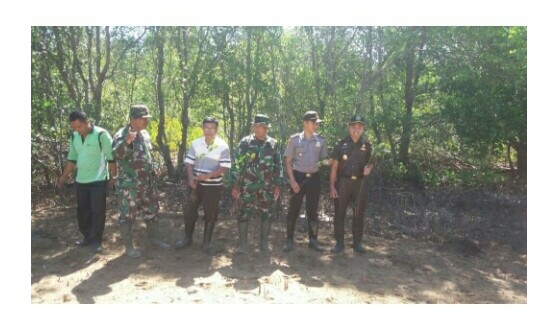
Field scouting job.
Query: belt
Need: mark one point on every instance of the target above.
(352, 177)
(307, 174)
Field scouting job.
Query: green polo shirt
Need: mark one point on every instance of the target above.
(91, 161)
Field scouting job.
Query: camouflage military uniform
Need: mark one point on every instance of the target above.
(256, 170)
(134, 180)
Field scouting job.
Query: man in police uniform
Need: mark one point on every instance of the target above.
(256, 175)
(303, 156)
(132, 149)
(351, 157)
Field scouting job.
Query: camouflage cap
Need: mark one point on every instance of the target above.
(261, 119)
(139, 111)
(357, 119)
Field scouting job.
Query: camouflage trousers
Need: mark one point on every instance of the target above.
(248, 197)
(131, 200)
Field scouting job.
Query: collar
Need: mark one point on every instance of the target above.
(214, 140)
(302, 136)
(361, 139)
(252, 137)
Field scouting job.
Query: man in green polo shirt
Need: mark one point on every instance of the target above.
(90, 153)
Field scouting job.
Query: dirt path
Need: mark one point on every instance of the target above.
(396, 269)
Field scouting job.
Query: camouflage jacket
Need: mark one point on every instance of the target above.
(134, 161)
(257, 164)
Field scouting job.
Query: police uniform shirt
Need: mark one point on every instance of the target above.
(352, 156)
(306, 153)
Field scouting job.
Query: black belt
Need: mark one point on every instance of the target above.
(307, 174)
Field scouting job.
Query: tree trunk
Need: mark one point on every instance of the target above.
(413, 69)
(228, 107)
(161, 138)
(101, 71)
(61, 66)
(185, 121)
(249, 104)
(407, 118)
(315, 69)
(367, 80)
(522, 158)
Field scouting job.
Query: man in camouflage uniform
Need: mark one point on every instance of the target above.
(256, 176)
(132, 150)
(351, 157)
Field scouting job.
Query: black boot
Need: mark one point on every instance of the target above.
(207, 247)
(243, 236)
(152, 227)
(339, 247)
(357, 247)
(126, 233)
(187, 240)
(313, 244)
(181, 244)
(290, 224)
(264, 236)
(313, 232)
(289, 245)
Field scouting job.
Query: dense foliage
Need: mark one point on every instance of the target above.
(443, 104)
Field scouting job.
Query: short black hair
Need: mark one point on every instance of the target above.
(211, 120)
(78, 115)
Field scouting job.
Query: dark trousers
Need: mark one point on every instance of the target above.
(208, 197)
(91, 210)
(310, 187)
(349, 192)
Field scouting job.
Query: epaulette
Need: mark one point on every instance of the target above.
(295, 135)
(319, 135)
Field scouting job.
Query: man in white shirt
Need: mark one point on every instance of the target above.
(206, 161)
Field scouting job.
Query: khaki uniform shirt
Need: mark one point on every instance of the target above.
(306, 153)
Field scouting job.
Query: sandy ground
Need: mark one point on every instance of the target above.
(397, 268)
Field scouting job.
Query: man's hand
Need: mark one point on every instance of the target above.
(130, 136)
(192, 182)
(333, 192)
(276, 192)
(295, 186)
(111, 183)
(202, 176)
(235, 193)
(367, 169)
(61, 180)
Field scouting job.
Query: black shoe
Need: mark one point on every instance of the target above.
(185, 242)
(289, 245)
(339, 247)
(359, 248)
(208, 249)
(96, 248)
(82, 242)
(313, 244)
